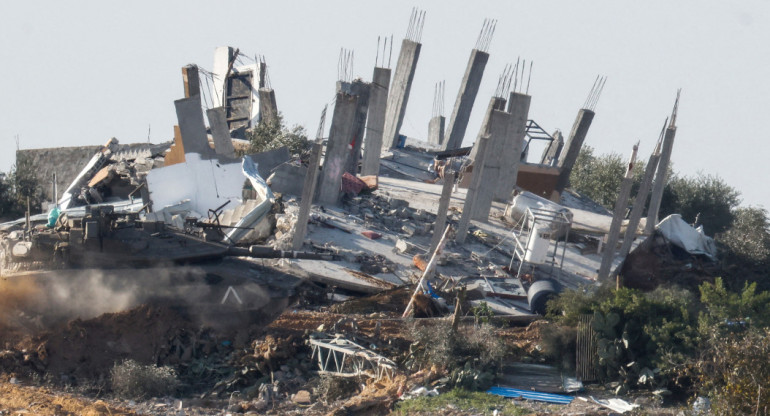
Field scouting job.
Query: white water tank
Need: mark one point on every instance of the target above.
(517, 210)
(537, 246)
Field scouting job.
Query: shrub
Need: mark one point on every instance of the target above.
(432, 344)
(559, 345)
(468, 355)
(706, 197)
(481, 341)
(748, 239)
(726, 309)
(131, 379)
(737, 373)
(274, 134)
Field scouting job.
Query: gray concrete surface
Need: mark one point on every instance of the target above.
(398, 96)
(466, 96)
(375, 123)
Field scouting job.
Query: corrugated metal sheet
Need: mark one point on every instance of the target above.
(586, 352)
(531, 395)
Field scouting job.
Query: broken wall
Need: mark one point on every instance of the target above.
(206, 183)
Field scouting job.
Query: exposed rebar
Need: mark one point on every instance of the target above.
(595, 93)
(345, 65)
(529, 78)
(322, 123)
(675, 110)
(416, 24)
(485, 35)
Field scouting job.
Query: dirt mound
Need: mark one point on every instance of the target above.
(149, 334)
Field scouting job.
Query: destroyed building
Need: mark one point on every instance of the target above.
(456, 229)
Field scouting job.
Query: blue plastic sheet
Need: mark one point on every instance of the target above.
(531, 395)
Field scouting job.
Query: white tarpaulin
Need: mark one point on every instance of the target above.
(683, 235)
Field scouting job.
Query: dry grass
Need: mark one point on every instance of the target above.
(41, 401)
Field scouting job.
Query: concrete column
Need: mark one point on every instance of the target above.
(518, 106)
(617, 219)
(494, 163)
(436, 130)
(191, 81)
(470, 197)
(496, 103)
(191, 126)
(378, 100)
(361, 90)
(466, 96)
(300, 229)
(661, 177)
(574, 144)
(399, 91)
(337, 148)
(551, 153)
(268, 108)
(223, 144)
(636, 211)
(450, 177)
(223, 55)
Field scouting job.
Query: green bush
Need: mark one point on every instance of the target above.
(599, 177)
(274, 134)
(131, 379)
(728, 309)
(706, 197)
(645, 339)
(748, 239)
(18, 185)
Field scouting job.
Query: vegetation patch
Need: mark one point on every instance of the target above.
(131, 379)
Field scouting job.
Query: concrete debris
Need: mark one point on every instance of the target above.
(615, 404)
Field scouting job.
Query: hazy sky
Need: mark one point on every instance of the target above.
(78, 73)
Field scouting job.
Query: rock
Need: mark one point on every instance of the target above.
(408, 230)
(302, 397)
(397, 203)
(372, 235)
(402, 246)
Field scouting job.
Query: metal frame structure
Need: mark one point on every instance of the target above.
(523, 234)
(533, 131)
(344, 358)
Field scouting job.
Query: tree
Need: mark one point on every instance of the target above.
(599, 177)
(18, 185)
(707, 195)
(748, 240)
(274, 134)
(7, 198)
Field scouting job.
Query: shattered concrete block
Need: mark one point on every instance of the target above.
(408, 230)
(404, 247)
(397, 203)
(403, 212)
(302, 397)
(419, 215)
